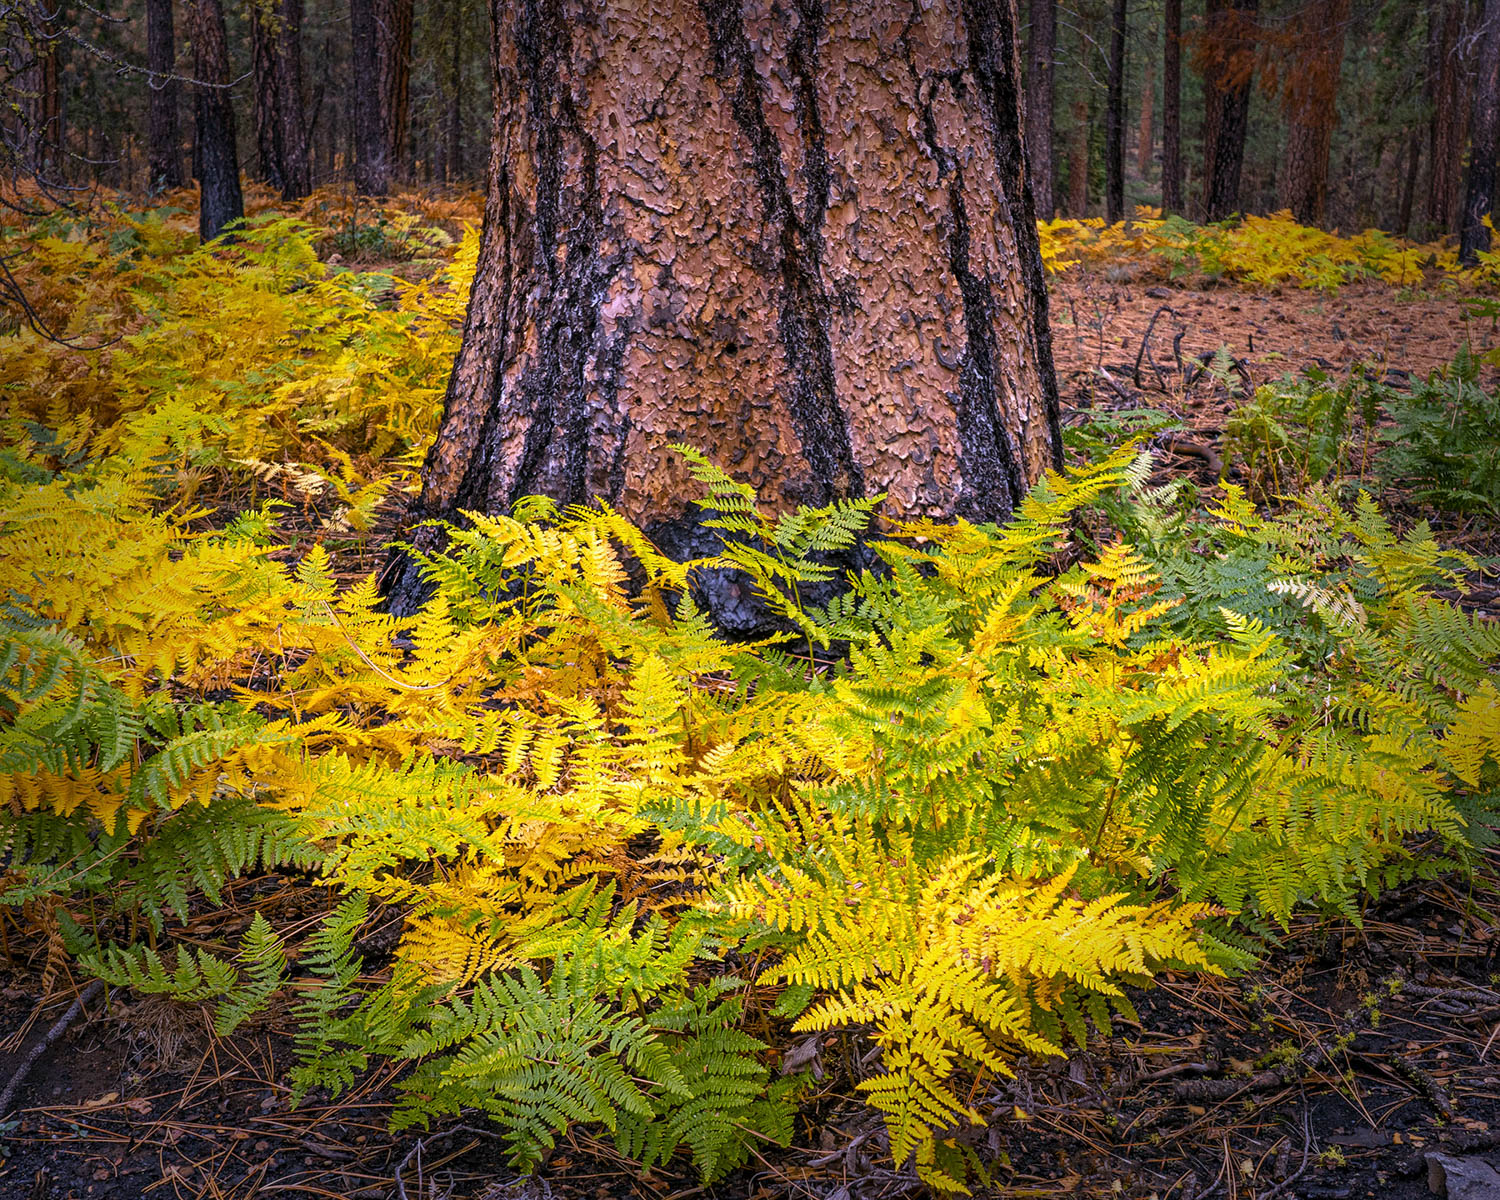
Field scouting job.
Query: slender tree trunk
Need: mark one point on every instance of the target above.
(1078, 161)
(453, 159)
(1479, 192)
(1310, 102)
(1114, 118)
(163, 139)
(1146, 129)
(216, 159)
(371, 168)
(1446, 137)
(296, 156)
(740, 272)
(264, 51)
(1409, 187)
(395, 19)
(1171, 108)
(1229, 52)
(1042, 57)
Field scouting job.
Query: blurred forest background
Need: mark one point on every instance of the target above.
(1350, 113)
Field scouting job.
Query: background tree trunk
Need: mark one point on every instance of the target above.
(1114, 118)
(296, 156)
(371, 168)
(1146, 129)
(264, 52)
(395, 20)
(654, 265)
(1479, 192)
(1227, 51)
(1445, 71)
(453, 158)
(1042, 57)
(1310, 100)
(1171, 108)
(163, 138)
(1078, 161)
(216, 160)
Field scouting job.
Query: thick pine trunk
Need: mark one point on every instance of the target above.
(215, 158)
(1310, 102)
(395, 19)
(1479, 192)
(1114, 118)
(371, 167)
(1228, 50)
(163, 140)
(800, 239)
(1042, 57)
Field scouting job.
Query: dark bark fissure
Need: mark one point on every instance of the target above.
(805, 310)
(991, 27)
(993, 482)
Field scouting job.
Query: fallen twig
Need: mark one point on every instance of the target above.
(59, 1027)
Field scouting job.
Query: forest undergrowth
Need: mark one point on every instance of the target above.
(643, 877)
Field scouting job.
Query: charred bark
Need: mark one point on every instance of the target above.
(1479, 191)
(1042, 58)
(1114, 118)
(802, 238)
(215, 157)
(1171, 109)
(163, 137)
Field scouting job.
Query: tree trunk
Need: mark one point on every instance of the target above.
(803, 240)
(1078, 161)
(296, 156)
(1146, 130)
(1171, 109)
(215, 157)
(164, 142)
(1445, 75)
(264, 52)
(453, 158)
(1114, 118)
(1409, 187)
(1479, 192)
(395, 19)
(371, 168)
(1042, 59)
(1310, 103)
(1227, 50)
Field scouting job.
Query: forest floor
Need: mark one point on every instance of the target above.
(1362, 1060)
